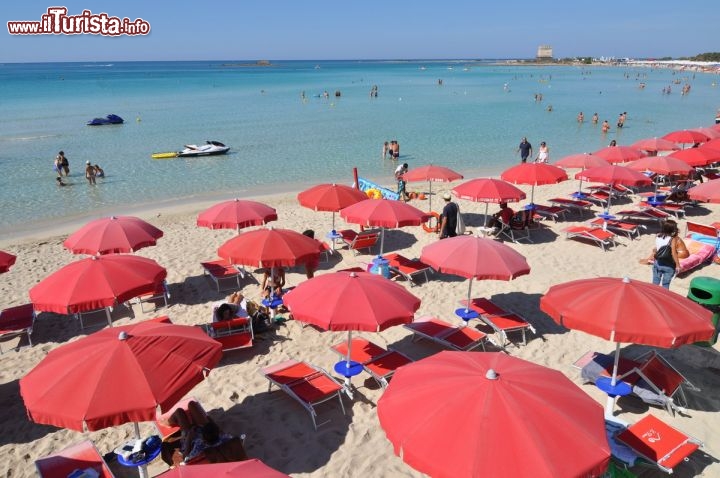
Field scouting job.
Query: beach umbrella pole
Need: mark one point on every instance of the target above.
(348, 364)
(610, 403)
(109, 318)
(486, 215)
(430, 196)
(382, 240)
(142, 470)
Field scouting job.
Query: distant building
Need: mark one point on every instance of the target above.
(544, 53)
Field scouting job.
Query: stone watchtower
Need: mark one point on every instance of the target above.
(544, 53)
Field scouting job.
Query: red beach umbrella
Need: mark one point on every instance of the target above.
(709, 132)
(655, 145)
(330, 197)
(712, 144)
(534, 174)
(236, 214)
(697, 156)
(6, 261)
(383, 213)
(113, 235)
(96, 282)
(376, 304)
(686, 136)
(432, 173)
(453, 413)
(270, 248)
(666, 165)
(244, 469)
(619, 154)
(624, 310)
(475, 258)
(613, 175)
(488, 190)
(583, 161)
(707, 192)
(118, 375)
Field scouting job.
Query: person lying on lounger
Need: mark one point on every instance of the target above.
(234, 306)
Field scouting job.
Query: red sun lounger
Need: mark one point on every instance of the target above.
(629, 229)
(222, 270)
(81, 456)
(501, 321)
(378, 362)
(407, 268)
(597, 235)
(658, 442)
(16, 321)
(307, 384)
(457, 337)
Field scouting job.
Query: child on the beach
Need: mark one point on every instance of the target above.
(273, 282)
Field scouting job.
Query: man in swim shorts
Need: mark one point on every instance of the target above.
(525, 150)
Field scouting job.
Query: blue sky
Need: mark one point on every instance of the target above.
(320, 29)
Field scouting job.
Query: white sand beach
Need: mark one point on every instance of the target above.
(278, 430)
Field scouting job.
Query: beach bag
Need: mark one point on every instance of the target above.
(460, 224)
(664, 254)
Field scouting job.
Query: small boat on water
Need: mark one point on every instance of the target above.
(109, 119)
(210, 148)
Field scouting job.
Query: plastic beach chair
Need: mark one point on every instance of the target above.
(378, 362)
(500, 320)
(221, 270)
(17, 321)
(307, 384)
(457, 337)
(658, 442)
(597, 235)
(407, 268)
(81, 456)
(357, 241)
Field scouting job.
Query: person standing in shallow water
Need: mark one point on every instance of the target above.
(525, 150)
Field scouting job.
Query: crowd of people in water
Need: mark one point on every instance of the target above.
(61, 166)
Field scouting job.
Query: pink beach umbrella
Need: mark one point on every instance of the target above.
(431, 173)
(709, 132)
(488, 190)
(236, 214)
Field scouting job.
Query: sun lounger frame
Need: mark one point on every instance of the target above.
(372, 362)
(408, 268)
(500, 320)
(446, 336)
(289, 386)
(591, 234)
(221, 270)
(17, 321)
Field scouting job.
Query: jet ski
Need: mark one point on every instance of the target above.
(208, 149)
(109, 119)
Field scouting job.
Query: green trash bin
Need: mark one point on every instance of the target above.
(706, 292)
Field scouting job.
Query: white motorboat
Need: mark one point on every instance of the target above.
(208, 149)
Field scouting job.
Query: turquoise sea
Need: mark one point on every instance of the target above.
(472, 123)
